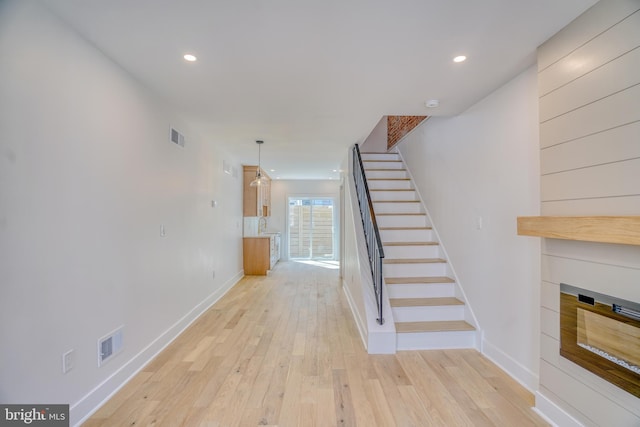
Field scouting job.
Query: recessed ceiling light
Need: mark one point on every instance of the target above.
(460, 58)
(432, 103)
(190, 58)
(272, 170)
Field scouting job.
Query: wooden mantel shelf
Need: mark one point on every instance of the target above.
(606, 229)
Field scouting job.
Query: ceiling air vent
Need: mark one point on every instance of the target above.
(177, 137)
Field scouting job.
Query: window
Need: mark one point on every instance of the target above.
(311, 228)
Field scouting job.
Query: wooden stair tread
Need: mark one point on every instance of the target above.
(424, 302)
(388, 179)
(404, 228)
(392, 189)
(416, 280)
(402, 214)
(437, 326)
(396, 201)
(409, 243)
(414, 260)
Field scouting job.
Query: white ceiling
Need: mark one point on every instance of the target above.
(312, 77)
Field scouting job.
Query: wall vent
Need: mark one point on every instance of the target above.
(229, 169)
(176, 137)
(109, 346)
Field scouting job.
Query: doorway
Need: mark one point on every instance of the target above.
(311, 228)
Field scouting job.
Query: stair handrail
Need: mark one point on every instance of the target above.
(370, 227)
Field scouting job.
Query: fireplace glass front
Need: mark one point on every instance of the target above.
(601, 333)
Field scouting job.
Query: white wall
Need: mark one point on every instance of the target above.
(87, 178)
(483, 166)
(281, 190)
(589, 76)
(376, 142)
(353, 285)
(356, 275)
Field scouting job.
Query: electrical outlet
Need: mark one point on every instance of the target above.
(68, 361)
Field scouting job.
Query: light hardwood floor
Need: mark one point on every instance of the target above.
(283, 350)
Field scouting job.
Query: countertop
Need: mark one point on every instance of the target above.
(265, 235)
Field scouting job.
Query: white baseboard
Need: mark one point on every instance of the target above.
(553, 414)
(92, 401)
(524, 376)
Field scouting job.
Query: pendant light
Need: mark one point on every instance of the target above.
(260, 180)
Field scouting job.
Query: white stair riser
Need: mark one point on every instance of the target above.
(393, 195)
(420, 284)
(409, 207)
(423, 251)
(428, 314)
(373, 164)
(419, 235)
(386, 174)
(431, 290)
(393, 184)
(415, 270)
(436, 340)
(402, 220)
(379, 156)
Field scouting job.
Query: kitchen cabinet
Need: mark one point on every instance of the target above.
(260, 254)
(256, 201)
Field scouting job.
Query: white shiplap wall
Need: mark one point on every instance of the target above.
(589, 88)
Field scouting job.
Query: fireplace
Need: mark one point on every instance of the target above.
(601, 333)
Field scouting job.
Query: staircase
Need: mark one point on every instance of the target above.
(427, 308)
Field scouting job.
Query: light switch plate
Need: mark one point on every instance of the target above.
(68, 361)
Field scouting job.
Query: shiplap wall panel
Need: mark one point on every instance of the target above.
(550, 323)
(549, 349)
(599, 18)
(581, 420)
(550, 296)
(615, 110)
(610, 78)
(605, 206)
(603, 253)
(608, 46)
(595, 410)
(599, 409)
(612, 145)
(609, 180)
(598, 277)
(590, 165)
(550, 352)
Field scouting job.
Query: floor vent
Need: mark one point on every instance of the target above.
(109, 346)
(177, 137)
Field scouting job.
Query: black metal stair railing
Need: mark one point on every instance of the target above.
(371, 232)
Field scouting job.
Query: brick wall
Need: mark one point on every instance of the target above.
(399, 126)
